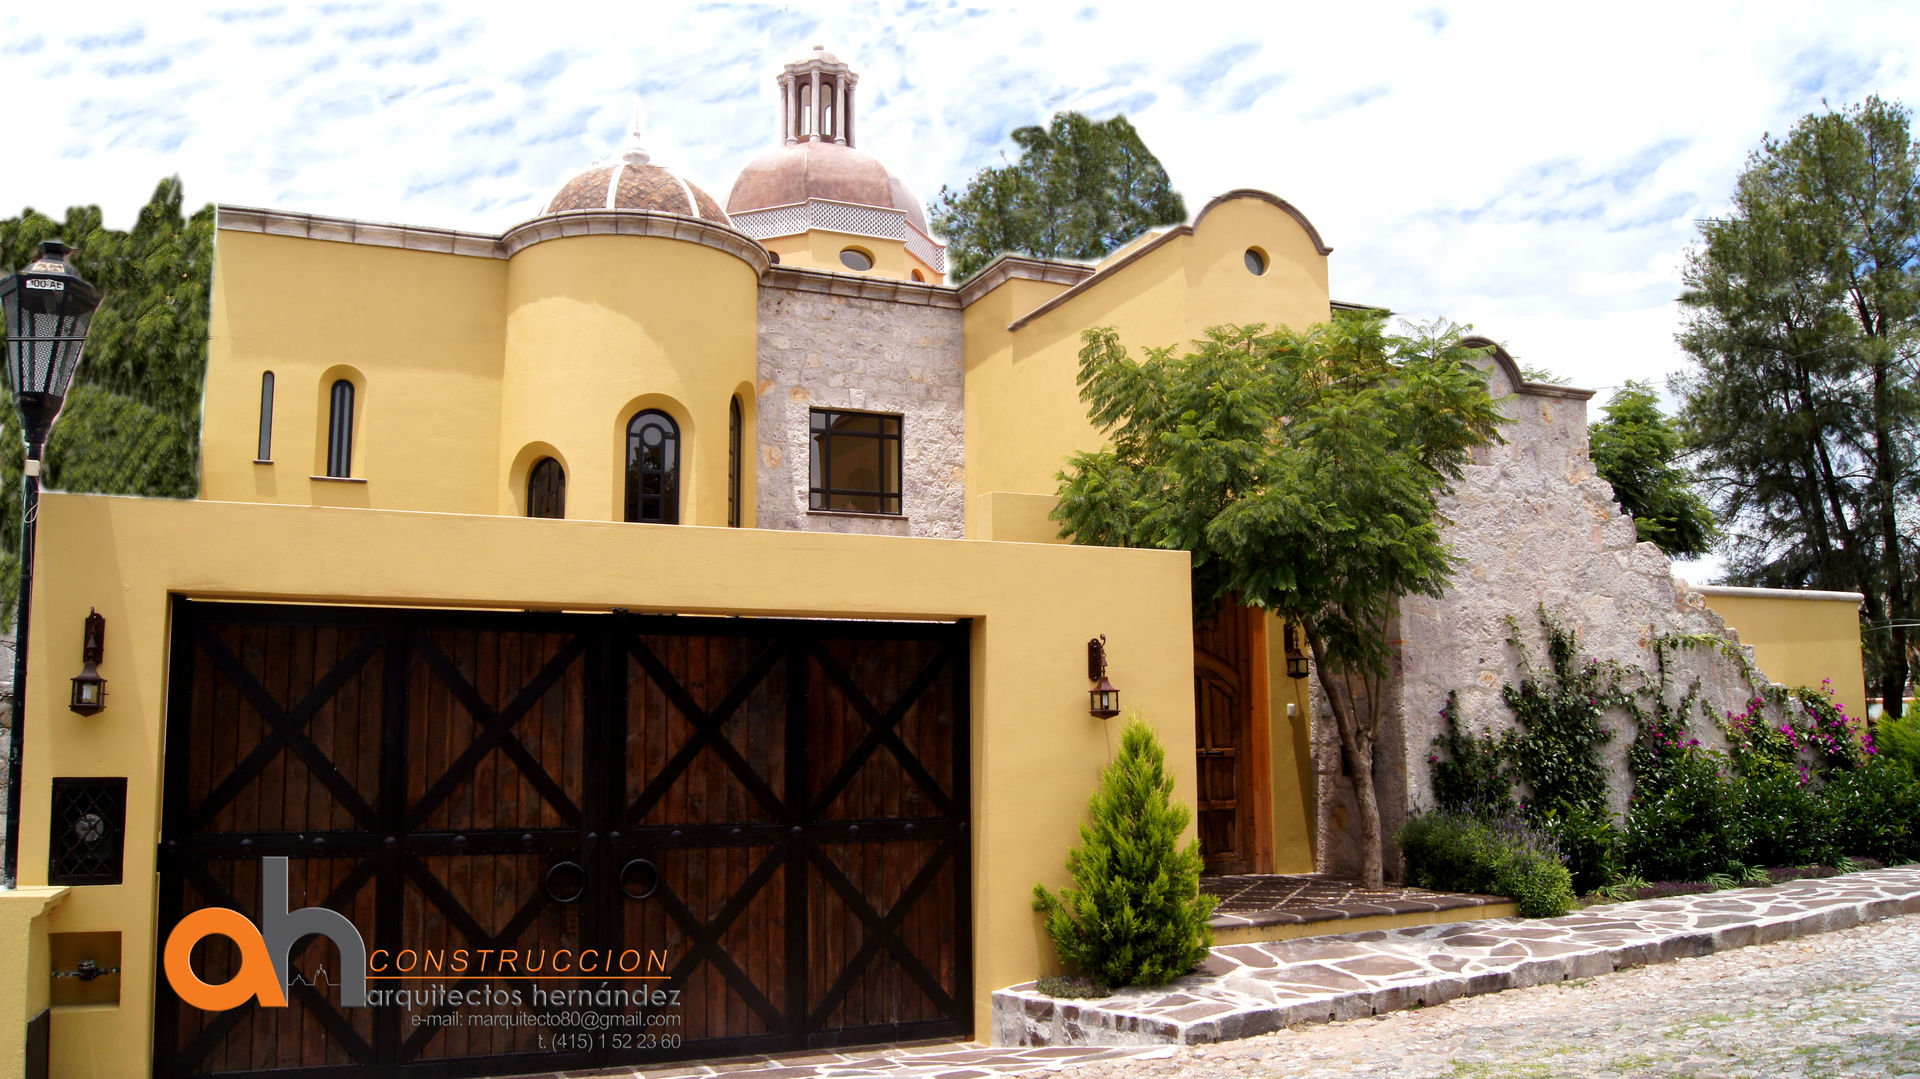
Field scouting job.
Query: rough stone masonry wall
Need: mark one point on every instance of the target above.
(1533, 526)
(874, 355)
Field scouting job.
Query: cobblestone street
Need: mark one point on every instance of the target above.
(1832, 1004)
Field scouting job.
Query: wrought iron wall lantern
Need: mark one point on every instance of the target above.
(1103, 700)
(1296, 659)
(89, 689)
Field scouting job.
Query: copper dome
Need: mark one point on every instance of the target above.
(633, 182)
(628, 186)
(821, 170)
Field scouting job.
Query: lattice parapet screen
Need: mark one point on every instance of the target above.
(875, 221)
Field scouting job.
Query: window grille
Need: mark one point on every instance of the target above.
(89, 831)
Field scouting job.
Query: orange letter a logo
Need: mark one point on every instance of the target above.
(256, 977)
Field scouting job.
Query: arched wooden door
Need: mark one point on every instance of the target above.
(1229, 737)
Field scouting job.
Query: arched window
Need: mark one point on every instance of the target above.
(340, 431)
(265, 452)
(733, 463)
(653, 468)
(546, 489)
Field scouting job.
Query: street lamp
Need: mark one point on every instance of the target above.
(48, 310)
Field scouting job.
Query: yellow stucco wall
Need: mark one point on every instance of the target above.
(819, 249)
(1799, 638)
(1023, 409)
(599, 328)
(1036, 752)
(467, 369)
(420, 333)
(24, 917)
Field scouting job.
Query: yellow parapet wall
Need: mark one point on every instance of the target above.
(1799, 638)
(1036, 751)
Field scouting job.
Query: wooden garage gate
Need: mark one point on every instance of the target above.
(774, 813)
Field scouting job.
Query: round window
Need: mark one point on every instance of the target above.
(855, 259)
(1256, 261)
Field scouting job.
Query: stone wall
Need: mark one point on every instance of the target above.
(1533, 526)
(820, 350)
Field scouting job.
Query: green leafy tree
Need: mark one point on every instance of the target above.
(1635, 448)
(1080, 189)
(1302, 469)
(131, 424)
(1134, 915)
(1803, 314)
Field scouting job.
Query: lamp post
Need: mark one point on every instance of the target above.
(48, 309)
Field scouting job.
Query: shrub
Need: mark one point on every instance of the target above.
(1134, 915)
(1460, 852)
(1559, 715)
(1785, 820)
(1876, 810)
(1678, 828)
(1589, 843)
(1898, 740)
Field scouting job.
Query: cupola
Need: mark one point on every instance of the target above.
(818, 201)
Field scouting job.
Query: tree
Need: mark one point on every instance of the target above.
(1801, 311)
(1303, 470)
(1080, 189)
(131, 424)
(1135, 915)
(1634, 448)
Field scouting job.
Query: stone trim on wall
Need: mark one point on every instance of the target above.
(506, 245)
(1023, 267)
(830, 283)
(1770, 593)
(347, 230)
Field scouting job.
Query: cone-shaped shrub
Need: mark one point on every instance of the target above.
(1134, 915)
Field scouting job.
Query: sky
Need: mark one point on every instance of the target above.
(1537, 170)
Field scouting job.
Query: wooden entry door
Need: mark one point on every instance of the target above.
(776, 809)
(1230, 739)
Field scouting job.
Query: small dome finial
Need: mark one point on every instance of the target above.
(633, 151)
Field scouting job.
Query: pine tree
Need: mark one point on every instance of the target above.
(1134, 915)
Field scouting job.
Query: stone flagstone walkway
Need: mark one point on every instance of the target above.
(1255, 988)
(1249, 989)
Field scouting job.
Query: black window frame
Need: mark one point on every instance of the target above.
(264, 451)
(667, 499)
(340, 429)
(821, 494)
(547, 489)
(734, 424)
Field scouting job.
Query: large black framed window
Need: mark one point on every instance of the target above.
(733, 462)
(340, 431)
(547, 489)
(653, 468)
(855, 465)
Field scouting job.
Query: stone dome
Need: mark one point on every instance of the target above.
(818, 169)
(635, 183)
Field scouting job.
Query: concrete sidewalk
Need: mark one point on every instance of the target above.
(1250, 989)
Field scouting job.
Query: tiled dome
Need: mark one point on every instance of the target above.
(635, 183)
(821, 170)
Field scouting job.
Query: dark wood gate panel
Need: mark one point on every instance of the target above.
(775, 809)
(1227, 771)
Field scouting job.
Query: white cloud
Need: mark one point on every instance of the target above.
(1534, 169)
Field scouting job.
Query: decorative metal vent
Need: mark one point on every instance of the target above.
(89, 831)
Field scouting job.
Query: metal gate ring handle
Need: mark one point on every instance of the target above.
(636, 873)
(566, 882)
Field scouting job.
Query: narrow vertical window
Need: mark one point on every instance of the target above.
(733, 463)
(340, 431)
(653, 468)
(546, 489)
(265, 452)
